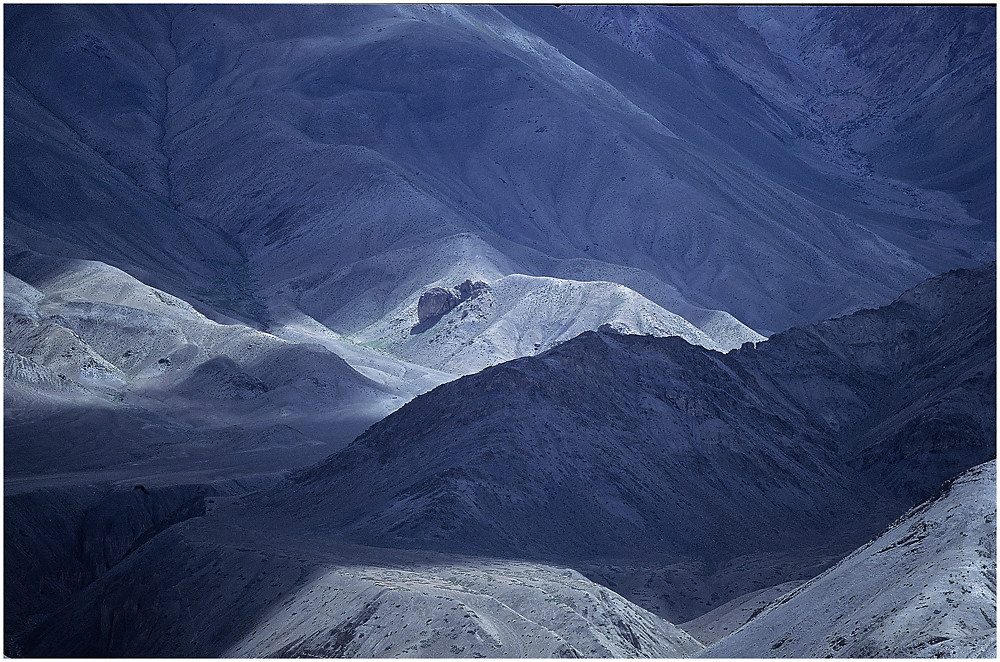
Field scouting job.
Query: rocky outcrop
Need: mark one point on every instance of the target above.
(471, 289)
(437, 301)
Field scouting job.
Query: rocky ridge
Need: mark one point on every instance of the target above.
(711, 448)
(687, 464)
(519, 315)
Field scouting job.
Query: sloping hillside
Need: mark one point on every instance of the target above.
(521, 315)
(926, 587)
(223, 584)
(643, 448)
(676, 476)
(396, 147)
(104, 373)
(255, 255)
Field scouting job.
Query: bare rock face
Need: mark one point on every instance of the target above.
(435, 302)
(471, 289)
(439, 300)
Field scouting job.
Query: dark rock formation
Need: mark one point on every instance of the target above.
(471, 289)
(437, 301)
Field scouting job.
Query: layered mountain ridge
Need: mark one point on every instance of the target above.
(649, 447)
(350, 186)
(102, 372)
(624, 308)
(743, 459)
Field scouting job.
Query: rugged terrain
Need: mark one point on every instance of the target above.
(350, 178)
(612, 301)
(926, 587)
(523, 315)
(700, 478)
(104, 374)
(613, 447)
(300, 594)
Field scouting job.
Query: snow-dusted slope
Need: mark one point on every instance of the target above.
(924, 588)
(520, 315)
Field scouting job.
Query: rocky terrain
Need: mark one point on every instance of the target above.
(729, 617)
(353, 179)
(844, 87)
(677, 493)
(664, 453)
(926, 587)
(497, 331)
(524, 315)
(303, 595)
(105, 374)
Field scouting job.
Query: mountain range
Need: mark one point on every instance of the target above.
(371, 165)
(516, 330)
(614, 447)
(678, 477)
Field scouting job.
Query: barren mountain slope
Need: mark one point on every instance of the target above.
(892, 100)
(878, 91)
(226, 233)
(303, 594)
(729, 617)
(678, 476)
(523, 315)
(394, 147)
(104, 373)
(926, 587)
(651, 449)
(907, 390)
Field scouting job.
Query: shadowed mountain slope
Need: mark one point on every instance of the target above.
(647, 448)
(396, 147)
(678, 476)
(872, 89)
(104, 373)
(299, 594)
(236, 236)
(892, 100)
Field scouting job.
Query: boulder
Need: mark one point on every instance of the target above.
(435, 302)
